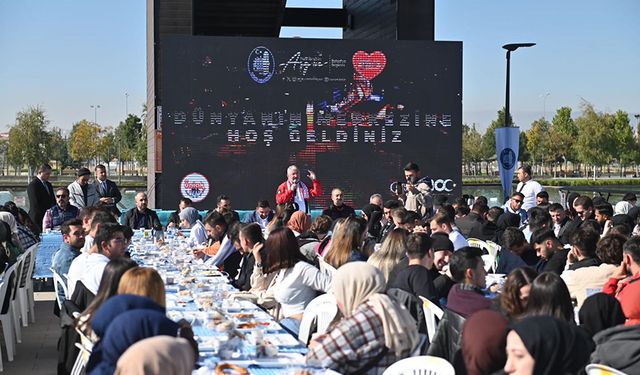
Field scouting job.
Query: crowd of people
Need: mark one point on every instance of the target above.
(569, 296)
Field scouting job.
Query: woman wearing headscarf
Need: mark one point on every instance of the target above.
(299, 223)
(126, 330)
(599, 312)
(622, 208)
(190, 219)
(543, 345)
(390, 329)
(160, 355)
(484, 337)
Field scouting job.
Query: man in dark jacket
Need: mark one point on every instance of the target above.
(550, 250)
(338, 209)
(262, 215)
(41, 195)
(471, 225)
(108, 192)
(141, 217)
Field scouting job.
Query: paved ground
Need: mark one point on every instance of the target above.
(37, 354)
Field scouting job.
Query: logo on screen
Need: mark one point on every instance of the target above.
(261, 64)
(507, 158)
(195, 187)
(440, 185)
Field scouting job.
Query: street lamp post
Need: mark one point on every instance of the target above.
(126, 104)
(544, 104)
(511, 47)
(95, 113)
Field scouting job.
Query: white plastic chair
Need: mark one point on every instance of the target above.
(489, 262)
(58, 283)
(86, 347)
(431, 312)
(493, 248)
(480, 244)
(422, 365)
(7, 319)
(598, 369)
(323, 309)
(15, 303)
(25, 287)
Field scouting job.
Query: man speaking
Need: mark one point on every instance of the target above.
(294, 190)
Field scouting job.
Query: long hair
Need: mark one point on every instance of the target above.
(346, 238)
(550, 296)
(392, 250)
(143, 281)
(510, 298)
(282, 250)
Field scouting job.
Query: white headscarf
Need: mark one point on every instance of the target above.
(358, 282)
(8, 218)
(622, 207)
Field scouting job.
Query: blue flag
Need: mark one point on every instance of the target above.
(507, 145)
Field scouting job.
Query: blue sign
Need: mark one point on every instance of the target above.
(507, 145)
(507, 158)
(261, 64)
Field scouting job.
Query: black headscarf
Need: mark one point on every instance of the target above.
(556, 346)
(599, 312)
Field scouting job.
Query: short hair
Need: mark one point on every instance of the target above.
(605, 209)
(598, 201)
(441, 218)
(513, 237)
(411, 166)
(215, 218)
(629, 197)
(418, 245)
(583, 201)
(100, 166)
(105, 234)
(253, 233)
(543, 194)
(494, 213)
(263, 203)
(86, 212)
(291, 167)
(553, 207)
(101, 216)
(480, 208)
(186, 201)
(632, 247)
(539, 218)
(586, 241)
(447, 209)
(460, 201)
(463, 259)
(66, 191)
(517, 194)
(376, 195)
(482, 199)
(145, 282)
(609, 248)
(542, 235)
(65, 228)
(222, 197)
(526, 169)
(398, 215)
(44, 168)
(410, 217)
(234, 232)
(321, 224)
(391, 204)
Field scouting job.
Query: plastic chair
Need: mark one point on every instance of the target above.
(86, 347)
(431, 312)
(421, 345)
(6, 314)
(480, 244)
(25, 288)
(489, 262)
(15, 303)
(58, 283)
(422, 365)
(323, 309)
(493, 248)
(598, 369)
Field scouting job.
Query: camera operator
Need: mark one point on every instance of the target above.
(415, 192)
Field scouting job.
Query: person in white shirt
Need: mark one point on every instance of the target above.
(441, 223)
(189, 220)
(110, 242)
(528, 187)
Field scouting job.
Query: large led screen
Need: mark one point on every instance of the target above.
(235, 112)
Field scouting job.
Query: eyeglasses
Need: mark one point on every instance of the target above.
(61, 196)
(517, 201)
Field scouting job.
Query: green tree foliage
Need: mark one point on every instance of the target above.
(489, 137)
(28, 137)
(471, 144)
(57, 148)
(127, 136)
(593, 145)
(523, 148)
(625, 143)
(538, 140)
(563, 135)
(107, 148)
(84, 141)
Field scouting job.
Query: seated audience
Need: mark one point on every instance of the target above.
(471, 225)
(549, 296)
(514, 206)
(390, 333)
(387, 221)
(391, 252)
(141, 217)
(560, 219)
(506, 220)
(550, 250)
(490, 225)
(599, 312)
(158, 355)
(603, 216)
(73, 240)
(618, 347)
(143, 281)
(545, 345)
(262, 214)
(249, 236)
(516, 252)
(623, 282)
(442, 223)
(298, 223)
(25, 228)
(174, 218)
(189, 219)
(346, 243)
(310, 241)
(484, 338)
(338, 209)
(515, 292)
(467, 269)
(372, 213)
(416, 278)
(61, 212)
(539, 218)
(542, 199)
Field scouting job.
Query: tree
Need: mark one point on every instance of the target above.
(471, 146)
(538, 141)
(594, 137)
(489, 137)
(57, 148)
(623, 140)
(563, 135)
(85, 141)
(107, 149)
(127, 136)
(523, 149)
(28, 138)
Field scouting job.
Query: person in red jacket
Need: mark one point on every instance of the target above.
(294, 190)
(624, 283)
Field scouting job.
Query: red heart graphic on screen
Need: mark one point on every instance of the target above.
(369, 65)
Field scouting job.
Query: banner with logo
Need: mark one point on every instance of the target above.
(237, 111)
(507, 146)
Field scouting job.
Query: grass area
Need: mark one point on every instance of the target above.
(557, 181)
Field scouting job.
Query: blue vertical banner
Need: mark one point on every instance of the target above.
(507, 145)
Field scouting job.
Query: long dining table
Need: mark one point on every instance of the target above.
(234, 336)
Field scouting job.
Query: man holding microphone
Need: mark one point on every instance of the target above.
(295, 191)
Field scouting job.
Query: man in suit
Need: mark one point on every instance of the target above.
(81, 193)
(108, 192)
(141, 217)
(41, 195)
(262, 215)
